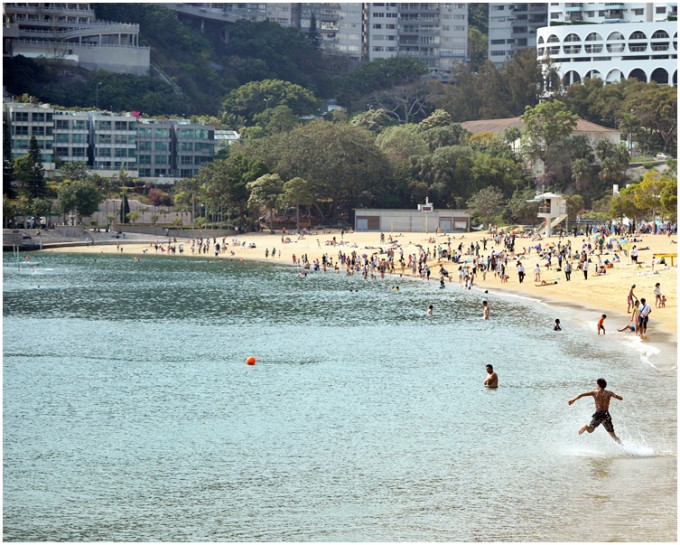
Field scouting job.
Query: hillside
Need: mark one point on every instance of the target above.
(202, 67)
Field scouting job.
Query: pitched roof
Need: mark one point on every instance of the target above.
(498, 126)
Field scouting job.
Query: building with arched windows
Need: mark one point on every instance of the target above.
(647, 51)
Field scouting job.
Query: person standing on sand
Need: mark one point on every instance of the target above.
(585, 269)
(600, 324)
(601, 416)
(657, 294)
(567, 271)
(631, 298)
(491, 377)
(643, 316)
(520, 272)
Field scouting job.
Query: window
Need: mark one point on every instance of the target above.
(79, 152)
(121, 152)
(186, 146)
(186, 173)
(161, 146)
(104, 125)
(162, 133)
(121, 125)
(161, 159)
(145, 145)
(38, 116)
(62, 138)
(37, 130)
(20, 116)
(104, 152)
(80, 124)
(187, 160)
(79, 139)
(61, 152)
(144, 133)
(22, 130)
(104, 138)
(186, 133)
(62, 124)
(122, 139)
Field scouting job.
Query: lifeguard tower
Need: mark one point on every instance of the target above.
(553, 208)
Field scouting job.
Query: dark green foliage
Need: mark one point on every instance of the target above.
(124, 209)
(478, 17)
(36, 173)
(378, 75)
(266, 50)
(7, 163)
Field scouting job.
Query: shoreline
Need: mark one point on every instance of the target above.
(605, 294)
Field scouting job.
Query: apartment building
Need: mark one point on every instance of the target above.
(512, 27)
(612, 51)
(435, 33)
(611, 41)
(109, 142)
(27, 120)
(611, 12)
(71, 34)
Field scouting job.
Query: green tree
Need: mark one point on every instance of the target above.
(521, 207)
(80, 196)
(486, 204)
(623, 204)
(242, 104)
(265, 192)
(669, 199)
(478, 47)
(575, 205)
(341, 163)
(296, 192)
(371, 77)
(313, 36)
(75, 170)
(546, 126)
(35, 171)
(7, 163)
(124, 208)
(133, 216)
(274, 120)
(648, 193)
(375, 121)
(41, 207)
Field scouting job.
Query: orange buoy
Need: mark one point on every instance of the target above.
(251, 360)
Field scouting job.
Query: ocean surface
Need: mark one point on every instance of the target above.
(130, 413)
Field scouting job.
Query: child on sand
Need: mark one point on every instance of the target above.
(600, 324)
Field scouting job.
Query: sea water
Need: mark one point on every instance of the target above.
(130, 413)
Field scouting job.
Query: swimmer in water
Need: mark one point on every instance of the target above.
(491, 377)
(601, 416)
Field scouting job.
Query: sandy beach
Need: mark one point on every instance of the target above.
(597, 295)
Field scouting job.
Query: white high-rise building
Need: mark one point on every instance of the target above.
(611, 41)
(611, 12)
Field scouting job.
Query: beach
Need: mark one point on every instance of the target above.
(594, 296)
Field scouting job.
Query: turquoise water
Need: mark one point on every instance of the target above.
(130, 414)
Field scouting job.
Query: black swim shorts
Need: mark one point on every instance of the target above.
(604, 418)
